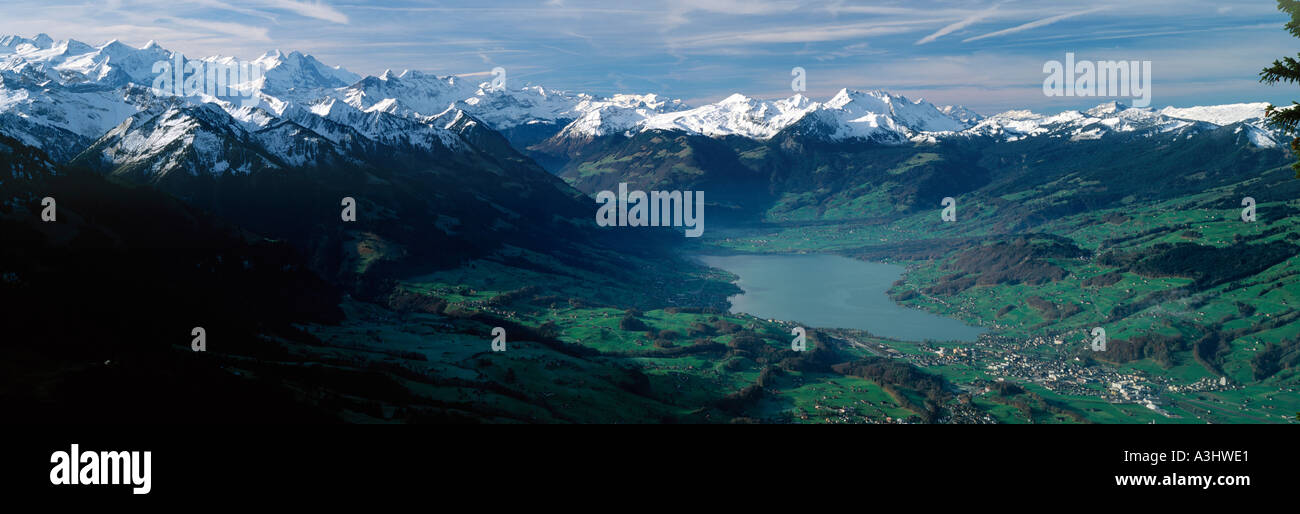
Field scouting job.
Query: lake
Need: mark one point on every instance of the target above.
(831, 291)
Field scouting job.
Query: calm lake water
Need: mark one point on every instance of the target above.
(830, 291)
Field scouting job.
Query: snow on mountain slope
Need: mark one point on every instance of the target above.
(1260, 136)
(961, 113)
(14, 44)
(502, 109)
(73, 62)
(620, 113)
(414, 94)
(384, 127)
(59, 95)
(736, 115)
(299, 75)
(62, 119)
(298, 146)
(1249, 115)
(1219, 114)
(1014, 124)
(195, 139)
(1107, 118)
(883, 117)
(411, 92)
(850, 114)
(878, 116)
(615, 115)
(117, 64)
(868, 106)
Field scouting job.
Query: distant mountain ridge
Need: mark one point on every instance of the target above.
(232, 209)
(333, 130)
(61, 94)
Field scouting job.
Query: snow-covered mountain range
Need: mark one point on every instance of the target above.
(63, 96)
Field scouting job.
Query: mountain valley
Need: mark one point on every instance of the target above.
(474, 210)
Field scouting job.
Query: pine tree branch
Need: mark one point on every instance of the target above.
(1285, 119)
(1291, 7)
(1286, 69)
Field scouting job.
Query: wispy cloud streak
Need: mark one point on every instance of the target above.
(1033, 24)
(973, 19)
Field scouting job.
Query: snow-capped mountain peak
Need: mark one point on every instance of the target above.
(61, 95)
(296, 72)
(19, 44)
(849, 114)
(509, 108)
(1107, 108)
(1226, 114)
(1117, 117)
(876, 108)
(961, 113)
(736, 115)
(410, 92)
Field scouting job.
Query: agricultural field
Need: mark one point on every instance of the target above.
(1188, 340)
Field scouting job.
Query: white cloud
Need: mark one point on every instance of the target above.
(799, 34)
(1033, 24)
(245, 32)
(975, 18)
(309, 9)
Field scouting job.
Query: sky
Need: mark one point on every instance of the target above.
(986, 55)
